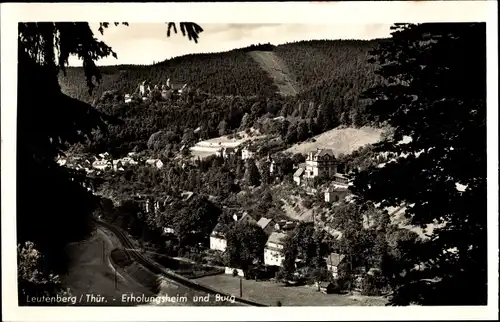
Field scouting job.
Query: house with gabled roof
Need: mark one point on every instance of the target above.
(298, 175)
(336, 193)
(218, 238)
(273, 251)
(333, 262)
(320, 163)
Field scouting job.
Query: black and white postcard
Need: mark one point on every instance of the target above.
(257, 161)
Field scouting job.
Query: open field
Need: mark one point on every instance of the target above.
(340, 140)
(278, 71)
(270, 292)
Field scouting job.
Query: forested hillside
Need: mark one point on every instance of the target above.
(226, 86)
(230, 73)
(335, 71)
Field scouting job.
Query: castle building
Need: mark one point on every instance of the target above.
(320, 163)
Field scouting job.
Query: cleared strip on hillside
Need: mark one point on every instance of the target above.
(277, 70)
(340, 140)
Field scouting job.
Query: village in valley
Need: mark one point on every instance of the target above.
(303, 191)
(295, 174)
(316, 178)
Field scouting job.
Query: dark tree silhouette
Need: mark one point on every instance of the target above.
(52, 207)
(435, 92)
(245, 244)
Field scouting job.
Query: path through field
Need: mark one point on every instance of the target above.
(278, 71)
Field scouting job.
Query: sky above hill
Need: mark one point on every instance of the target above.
(145, 43)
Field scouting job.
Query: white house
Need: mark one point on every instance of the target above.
(155, 163)
(128, 161)
(168, 230)
(272, 166)
(61, 161)
(102, 164)
(218, 239)
(320, 163)
(335, 193)
(332, 263)
(128, 98)
(247, 153)
(273, 251)
(298, 176)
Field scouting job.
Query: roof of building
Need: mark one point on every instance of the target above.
(246, 215)
(299, 172)
(276, 238)
(336, 188)
(263, 222)
(302, 165)
(218, 230)
(320, 153)
(334, 259)
(187, 194)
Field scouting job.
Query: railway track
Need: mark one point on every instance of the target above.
(129, 248)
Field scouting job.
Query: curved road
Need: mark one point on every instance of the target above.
(129, 248)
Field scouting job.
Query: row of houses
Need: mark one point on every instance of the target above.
(103, 162)
(146, 90)
(273, 250)
(244, 153)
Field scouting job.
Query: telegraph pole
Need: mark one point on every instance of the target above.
(241, 287)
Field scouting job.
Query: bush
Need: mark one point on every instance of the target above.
(372, 285)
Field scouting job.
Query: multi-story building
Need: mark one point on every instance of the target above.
(333, 262)
(273, 251)
(247, 153)
(218, 239)
(335, 193)
(320, 163)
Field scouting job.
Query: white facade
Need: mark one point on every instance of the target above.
(273, 252)
(273, 257)
(101, 164)
(334, 270)
(335, 195)
(155, 163)
(247, 154)
(168, 230)
(272, 166)
(320, 163)
(218, 243)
